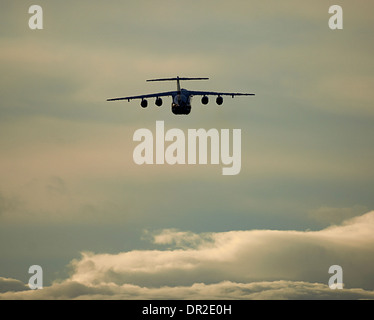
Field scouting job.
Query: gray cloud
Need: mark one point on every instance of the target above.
(8, 204)
(307, 140)
(56, 186)
(8, 285)
(332, 215)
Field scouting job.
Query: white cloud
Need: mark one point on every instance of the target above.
(255, 264)
(219, 291)
(240, 256)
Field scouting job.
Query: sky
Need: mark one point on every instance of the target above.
(73, 201)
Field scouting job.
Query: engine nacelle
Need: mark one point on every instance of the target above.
(144, 103)
(219, 100)
(204, 100)
(158, 102)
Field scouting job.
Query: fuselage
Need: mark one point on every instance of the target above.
(181, 102)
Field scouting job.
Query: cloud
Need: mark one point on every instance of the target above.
(67, 154)
(176, 238)
(240, 256)
(11, 285)
(274, 290)
(8, 204)
(336, 215)
(254, 264)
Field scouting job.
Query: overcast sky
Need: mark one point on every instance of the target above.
(73, 201)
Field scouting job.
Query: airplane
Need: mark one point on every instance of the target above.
(181, 98)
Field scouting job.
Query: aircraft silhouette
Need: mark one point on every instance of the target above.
(181, 98)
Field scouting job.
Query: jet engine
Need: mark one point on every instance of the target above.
(219, 100)
(158, 102)
(204, 100)
(144, 103)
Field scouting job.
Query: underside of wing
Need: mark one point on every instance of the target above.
(211, 93)
(153, 95)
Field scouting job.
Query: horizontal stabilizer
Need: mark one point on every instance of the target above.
(177, 78)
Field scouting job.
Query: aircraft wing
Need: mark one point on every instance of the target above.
(153, 95)
(210, 93)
